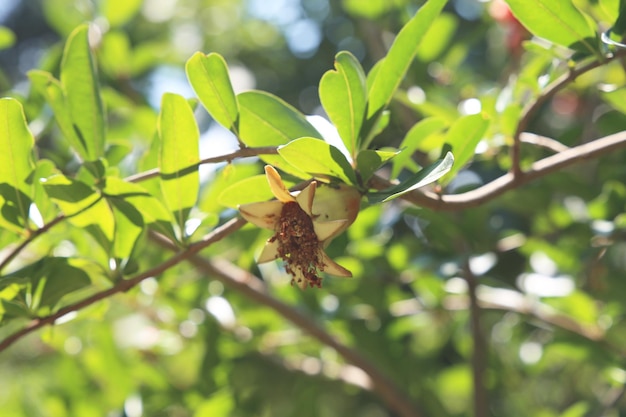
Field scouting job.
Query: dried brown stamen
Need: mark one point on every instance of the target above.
(298, 245)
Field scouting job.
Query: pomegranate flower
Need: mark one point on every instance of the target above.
(304, 223)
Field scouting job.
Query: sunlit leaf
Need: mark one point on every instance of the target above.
(50, 88)
(80, 85)
(129, 226)
(16, 165)
(424, 177)
(115, 54)
(437, 37)
(7, 37)
(249, 190)
(153, 212)
(47, 209)
(415, 139)
(211, 200)
(342, 93)
(179, 156)
(266, 120)
(84, 207)
(558, 21)
(208, 75)
(400, 55)
(464, 136)
(119, 12)
(319, 159)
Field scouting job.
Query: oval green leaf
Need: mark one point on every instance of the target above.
(16, 166)
(400, 55)
(82, 95)
(266, 120)
(208, 76)
(368, 161)
(319, 159)
(558, 21)
(424, 177)
(342, 93)
(463, 137)
(415, 137)
(179, 156)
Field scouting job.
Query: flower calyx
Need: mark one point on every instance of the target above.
(303, 225)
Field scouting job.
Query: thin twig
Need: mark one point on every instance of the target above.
(240, 153)
(543, 142)
(532, 107)
(495, 188)
(124, 285)
(34, 234)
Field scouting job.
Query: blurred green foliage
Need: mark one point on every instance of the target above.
(548, 257)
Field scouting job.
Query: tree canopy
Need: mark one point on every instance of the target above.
(312, 207)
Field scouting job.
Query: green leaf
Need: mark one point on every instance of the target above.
(7, 38)
(619, 28)
(208, 76)
(50, 279)
(61, 279)
(70, 195)
(426, 176)
(16, 166)
(400, 55)
(368, 161)
(153, 212)
(51, 90)
(211, 200)
(266, 120)
(342, 93)
(319, 159)
(249, 190)
(415, 138)
(128, 227)
(179, 157)
(44, 169)
(464, 136)
(558, 21)
(82, 94)
(119, 12)
(65, 15)
(84, 207)
(438, 37)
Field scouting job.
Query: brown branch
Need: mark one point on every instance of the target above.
(250, 286)
(124, 285)
(532, 107)
(543, 142)
(240, 153)
(479, 353)
(497, 187)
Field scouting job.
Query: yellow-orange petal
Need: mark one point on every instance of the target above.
(306, 197)
(328, 230)
(333, 268)
(264, 214)
(269, 252)
(277, 186)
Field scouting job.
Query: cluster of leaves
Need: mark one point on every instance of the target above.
(87, 202)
